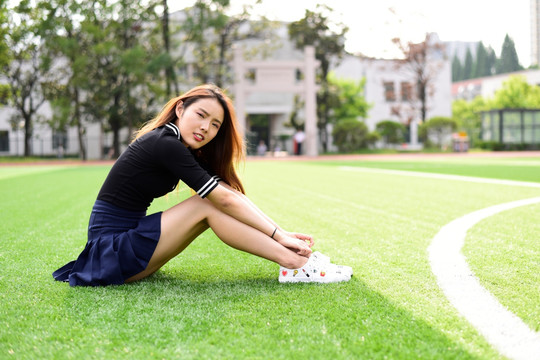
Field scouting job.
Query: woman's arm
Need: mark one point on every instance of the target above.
(300, 236)
(235, 205)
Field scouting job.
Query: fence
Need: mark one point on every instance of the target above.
(55, 145)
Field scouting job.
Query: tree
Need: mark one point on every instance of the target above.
(508, 62)
(118, 80)
(491, 61)
(348, 99)
(328, 39)
(457, 69)
(481, 66)
(213, 32)
(65, 43)
(4, 49)
(516, 92)
(468, 66)
(467, 116)
(29, 72)
(422, 60)
(170, 74)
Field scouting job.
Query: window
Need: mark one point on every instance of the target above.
(512, 127)
(406, 91)
(389, 92)
(299, 75)
(4, 140)
(251, 75)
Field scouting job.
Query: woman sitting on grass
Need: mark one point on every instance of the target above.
(194, 139)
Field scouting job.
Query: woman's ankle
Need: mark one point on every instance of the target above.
(295, 262)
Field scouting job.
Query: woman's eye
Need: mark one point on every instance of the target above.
(215, 125)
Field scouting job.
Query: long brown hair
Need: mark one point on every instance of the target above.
(224, 152)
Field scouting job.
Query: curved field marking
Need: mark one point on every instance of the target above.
(501, 328)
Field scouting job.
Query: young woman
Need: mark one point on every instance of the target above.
(195, 140)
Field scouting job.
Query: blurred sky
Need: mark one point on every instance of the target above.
(372, 24)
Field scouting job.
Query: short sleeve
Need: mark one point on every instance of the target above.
(176, 158)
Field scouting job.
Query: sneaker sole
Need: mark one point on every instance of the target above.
(308, 280)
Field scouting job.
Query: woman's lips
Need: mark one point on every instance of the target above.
(198, 137)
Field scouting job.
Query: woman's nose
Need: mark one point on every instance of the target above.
(204, 125)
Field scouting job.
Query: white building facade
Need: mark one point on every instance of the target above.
(389, 86)
(487, 86)
(535, 32)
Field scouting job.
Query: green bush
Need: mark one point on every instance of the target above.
(392, 132)
(438, 126)
(351, 135)
(488, 145)
(498, 146)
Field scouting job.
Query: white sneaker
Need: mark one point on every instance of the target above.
(326, 259)
(313, 271)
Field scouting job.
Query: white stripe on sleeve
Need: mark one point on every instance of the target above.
(206, 188)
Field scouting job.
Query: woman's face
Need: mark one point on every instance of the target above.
(199, 122)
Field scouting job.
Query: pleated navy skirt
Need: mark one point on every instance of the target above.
(120, 245)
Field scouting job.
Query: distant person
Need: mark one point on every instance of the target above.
(299, 138)
(262, 148)
(195, 139)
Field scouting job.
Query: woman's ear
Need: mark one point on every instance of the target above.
(179, 108)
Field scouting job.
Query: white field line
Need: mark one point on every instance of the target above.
(441, 176)
(502, 329)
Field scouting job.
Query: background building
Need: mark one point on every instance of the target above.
(487, 86)
(389, 88)
(535, 32)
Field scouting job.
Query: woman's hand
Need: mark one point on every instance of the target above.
(300, 236)
(299, 246)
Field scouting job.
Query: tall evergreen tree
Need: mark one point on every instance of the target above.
(508, 61)
(491, 61)
(468, 66)
(457, 69)
(480, 65)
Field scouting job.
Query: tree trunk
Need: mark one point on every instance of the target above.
(423, 101)
(80, 127)
(170, 76)
(114, 122)
(82, 145)
(221, 64)
(27, 135)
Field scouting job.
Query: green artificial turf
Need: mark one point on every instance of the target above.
(218, 303)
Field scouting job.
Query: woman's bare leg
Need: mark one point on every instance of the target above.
(181, 224)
